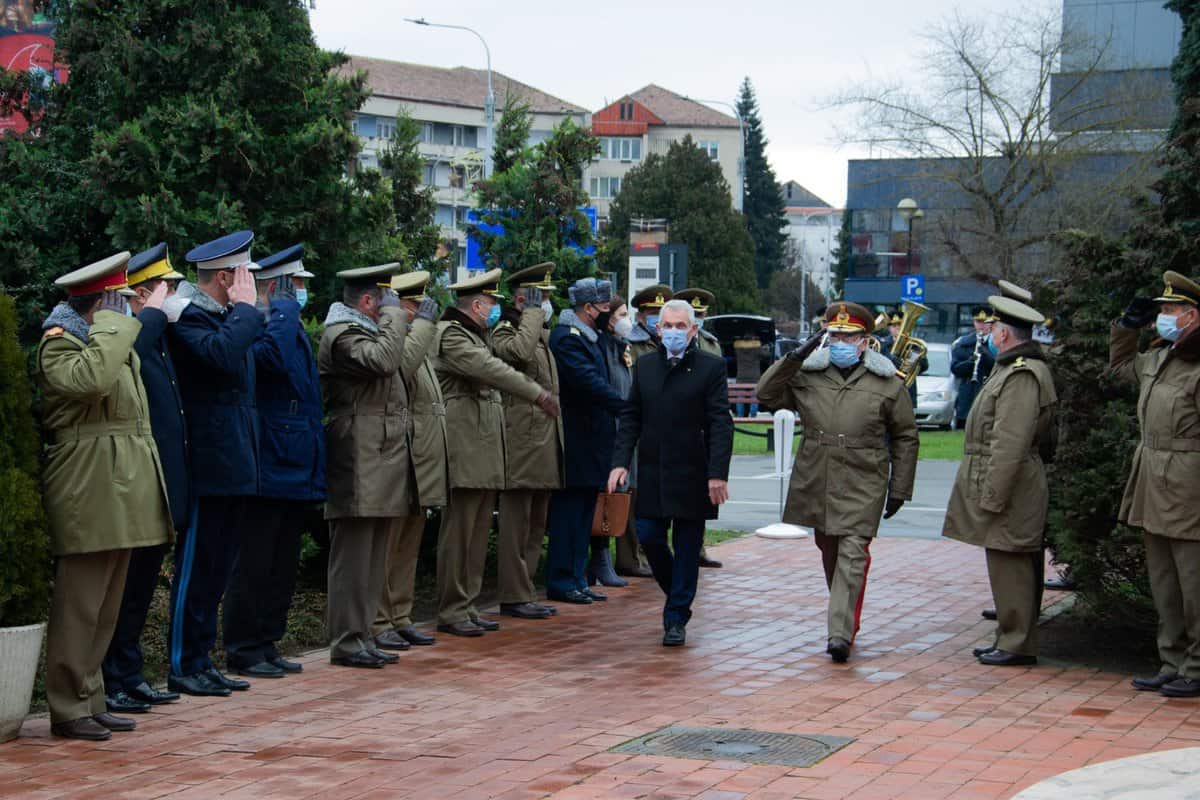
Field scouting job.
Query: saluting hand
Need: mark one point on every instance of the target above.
(242, 290)
(158, 296)
(718, 491)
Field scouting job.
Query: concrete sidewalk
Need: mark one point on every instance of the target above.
(533, 710)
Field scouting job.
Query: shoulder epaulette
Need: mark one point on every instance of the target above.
(1020, 362)
(55, 331)
(575, 332)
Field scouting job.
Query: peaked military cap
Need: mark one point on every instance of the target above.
(289, 261)
(411, 285)
(848, 318)
(895, 318)
(1179, 289)
(981, 314)
(698, 299)
(227, 252)
(150, 264)
(537, 277)
(487, 283)
(99, 276)
(1010, 289)
(652, 297)
(1014, 312)
(360, 274)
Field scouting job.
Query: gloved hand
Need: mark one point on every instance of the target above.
(428, 309)
(389, 299)
(284, 290)
(173, 307)
(807, 349)
(893, 505)
(1140, 312)
(112, 300)
(532, 295)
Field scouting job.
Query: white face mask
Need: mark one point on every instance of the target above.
(623, 327)
(547, 309)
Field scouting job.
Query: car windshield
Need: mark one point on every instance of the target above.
(939, 364)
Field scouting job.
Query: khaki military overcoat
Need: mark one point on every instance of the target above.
(860, 440)
(430, 461)
(1000, 495)
(709, 343)
(103, 483)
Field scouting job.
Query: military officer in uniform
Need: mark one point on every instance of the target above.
(291, 470)
(1000, 496)
(103, 485)
(533, 441)
(211, 347)
(971, 362)
(1162, 496)
(369, 466)
(858, 459)
(643, 338)
(394, 629)
(473, 381)
(126, 689)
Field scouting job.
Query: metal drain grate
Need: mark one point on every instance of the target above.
(717, 744)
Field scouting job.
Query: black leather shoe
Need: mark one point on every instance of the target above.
(290, 667)
(838, 649)
(387, 658)
(485, 624)
(261, 670)
(1181, 687)
(636, 572)
(524, 611)
(464, 628)
(148, 694)
(114, 723)
(551, 610)
(710, 563)
(1152, 684)
(119, 702)
(675, 635)
(573, 596)
(415, 637)
(363, 659)
(221, 679)
(198, 685)
(592, 593)
(391, 640)
(979, 651)
(988, 613)
(1003, 658)
(85, 728)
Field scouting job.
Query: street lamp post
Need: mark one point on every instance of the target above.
(741, 195)
(909, 211)
(489, 104)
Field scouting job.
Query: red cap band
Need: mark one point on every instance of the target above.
(114, 280)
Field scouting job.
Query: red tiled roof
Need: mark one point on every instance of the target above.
(675, 109)
(450, 86)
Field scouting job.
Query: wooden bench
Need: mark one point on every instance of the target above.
(743, 393)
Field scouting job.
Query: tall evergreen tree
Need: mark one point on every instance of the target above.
(763, 200)
(183, 120)
(413, 202)
(687, 188)
(512, 135)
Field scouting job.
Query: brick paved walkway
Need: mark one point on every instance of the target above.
(533, 710)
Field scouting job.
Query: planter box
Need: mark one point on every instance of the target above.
(19, 651)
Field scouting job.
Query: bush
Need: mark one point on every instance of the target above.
(24, 543)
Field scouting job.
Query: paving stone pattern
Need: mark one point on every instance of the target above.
(534, 710)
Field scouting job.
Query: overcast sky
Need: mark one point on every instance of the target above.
(591, 53)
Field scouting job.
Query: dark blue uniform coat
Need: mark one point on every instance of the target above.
(962, 366)
(167, 422)
(212, 354)
(291, 433)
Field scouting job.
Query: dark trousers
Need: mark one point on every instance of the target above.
(677, 572)
(570, 539)
(123, 662)
(204, 557)
(256, 605)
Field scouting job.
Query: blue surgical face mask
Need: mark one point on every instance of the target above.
(675, 340)
(843, 354)
(991, 346)
(302, 297)
(652, 321)
(493, 315)
(1167, 326)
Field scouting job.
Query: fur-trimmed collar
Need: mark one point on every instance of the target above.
(571, 319)
(67, 318)
(639, 334)
(875, 363)
(1187, 350)
(1029, 349)
(711, 337)
(200, 299)
(340, 313)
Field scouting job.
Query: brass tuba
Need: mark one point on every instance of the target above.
(908, 349)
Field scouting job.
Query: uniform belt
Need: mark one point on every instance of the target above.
(94, 430)
(853, 442)
(1175, 445)
(980, 450)
(399, 413)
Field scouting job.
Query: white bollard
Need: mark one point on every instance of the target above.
(784, 430)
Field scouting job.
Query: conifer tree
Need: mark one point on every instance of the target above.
(763, 205)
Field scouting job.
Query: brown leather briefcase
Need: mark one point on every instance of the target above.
(612, 514)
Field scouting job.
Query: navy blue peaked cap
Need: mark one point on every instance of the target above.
(223, 253)
(148, 257)
(285, 256)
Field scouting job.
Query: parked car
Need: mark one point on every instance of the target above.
(937, 390)
(730, 327)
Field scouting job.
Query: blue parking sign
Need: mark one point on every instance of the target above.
(912, 287)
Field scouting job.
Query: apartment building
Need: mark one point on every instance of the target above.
(649, 121)
(449, 105)
(813, 227)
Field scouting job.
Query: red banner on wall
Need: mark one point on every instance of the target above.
(27, 45)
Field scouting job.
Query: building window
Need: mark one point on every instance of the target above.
(426, 134)
(712, 148)
(457, 135)
(626, 110)
(605, 188)
(386, 130)
(624, 148)
(430, 173)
